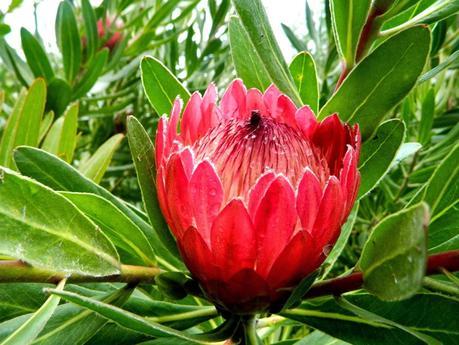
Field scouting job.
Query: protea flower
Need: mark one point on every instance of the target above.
(113, 39)
(254, 190)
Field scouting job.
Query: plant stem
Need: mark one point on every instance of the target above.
(250, 331)
(15, 271)
(440, 286)
(337, 286)
(201, 312)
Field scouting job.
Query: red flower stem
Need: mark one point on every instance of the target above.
(337, 286)
(369, 32)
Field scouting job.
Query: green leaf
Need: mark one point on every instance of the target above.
(162, 13)
(55, 173)
(71, 324)
(303, 70)
(62, 137)
(341, 242)
(18, 298)
(427, 117)
(249, 66)
(161, 86)
(93, 72)
(114, 224)
(36, 56)
(15, 63)
(294, 40)
(319, 338)
(59, 96)
(23, 126)
(44, 229)
(255, 21)
(300, 290)
(429, 314)
(349, 17)
(125, 318)
(444, 230)
(45, 125)
(381, 80)
(394, 258)
(437, 11)
(68, 40)
(442, 189)
(450, 60)
(94, 168)
(28, 331)
(365, 314)
(143, 156)
(406, 150)
(90, 28)
(378, 153)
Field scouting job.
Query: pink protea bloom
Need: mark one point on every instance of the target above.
(114, 38)
(255, 191)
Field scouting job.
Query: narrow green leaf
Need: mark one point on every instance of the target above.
(162, 13)
(71, 324)
(28, 331)
(90, 28)
(340, 243)
(437, 11)
(44, 229)
(59, 96)
(443, 187)
(393, 260)
(255, 21)
(143, 155)
(57, 174)
(444, 230)
(318, 337)
(303, 70)
(45, 125)
(296, 42)
(425, 313)
(406, 150)
(15, 63)
(300, 290)
(123, 317)
(18, 299)
(161, 86)
(68, 40)
(116, 226)
(23, 126)
(93, 72)
(450, 60)
(349, 17)
(365, 314)
(36, 56)
(381, 80)
(95, 167)
(62, 137)
(249, 66)
(378, 153)
(427, 117)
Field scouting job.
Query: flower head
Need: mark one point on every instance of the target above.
(255, 190)
(111, 39)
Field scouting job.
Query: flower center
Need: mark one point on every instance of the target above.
(242, 150)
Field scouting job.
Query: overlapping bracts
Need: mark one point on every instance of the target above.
(255, 191)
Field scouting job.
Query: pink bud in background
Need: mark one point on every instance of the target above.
(255, 191)
(109, 40)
